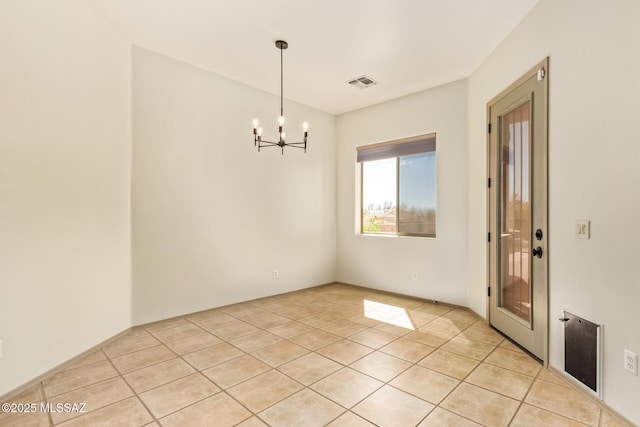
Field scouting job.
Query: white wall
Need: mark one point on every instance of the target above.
(594, 150)
(212, 217)
(384, 262)
(64, 185)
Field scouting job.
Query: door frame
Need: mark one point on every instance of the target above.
(542, 65)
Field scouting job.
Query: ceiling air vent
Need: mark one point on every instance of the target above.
(362, 82)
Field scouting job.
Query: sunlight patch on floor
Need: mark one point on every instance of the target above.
(391, 314)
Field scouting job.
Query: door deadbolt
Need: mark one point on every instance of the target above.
(538, 234)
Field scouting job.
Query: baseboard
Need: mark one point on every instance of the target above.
(182, 316)
(51, 372)
(397, 294)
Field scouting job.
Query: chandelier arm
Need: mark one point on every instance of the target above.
(267, 146)
(268, 143)
(294, 146)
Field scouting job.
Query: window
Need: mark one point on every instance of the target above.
(398, 187)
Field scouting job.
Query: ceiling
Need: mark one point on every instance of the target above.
(405, 45)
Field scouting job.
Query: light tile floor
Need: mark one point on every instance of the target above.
(333, 355)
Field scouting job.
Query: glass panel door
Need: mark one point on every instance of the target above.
(517, 242)
(515, 283)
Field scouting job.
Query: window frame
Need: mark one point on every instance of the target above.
(395, 146)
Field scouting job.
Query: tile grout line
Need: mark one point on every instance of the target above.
(44, 398)
(600, 410)
(521, 402)
(416, 364)
(221, 390)
(144, 405)
(413, 364)
(315, 351)
(462, 381)
(92, 384)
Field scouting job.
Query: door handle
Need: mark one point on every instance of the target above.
(537, 252)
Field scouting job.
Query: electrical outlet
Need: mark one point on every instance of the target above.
(631, 362)
(276, 274)
(414, 276)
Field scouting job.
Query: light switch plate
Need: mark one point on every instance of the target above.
(583, 229)
(631, 362)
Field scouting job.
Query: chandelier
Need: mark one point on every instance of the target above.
(257, 131)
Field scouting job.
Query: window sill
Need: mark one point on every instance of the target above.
(396, 236)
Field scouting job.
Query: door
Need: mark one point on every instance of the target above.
(517, 204)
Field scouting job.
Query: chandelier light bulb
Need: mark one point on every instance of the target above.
(259, 131)
(255, 123)
(280, 120)
(305, 126)
(283, 135)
